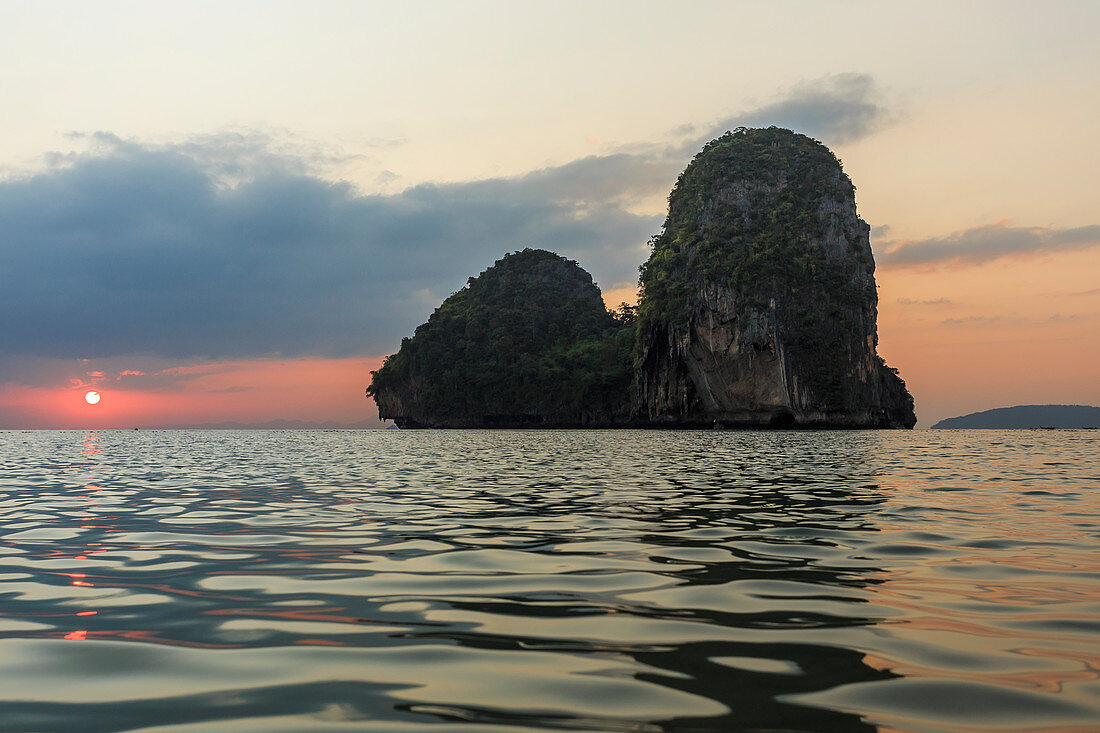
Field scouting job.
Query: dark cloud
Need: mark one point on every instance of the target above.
(936, 301)
(880, 234)
(140, 250)
(970, 320)
(835, 109)
(985, 243)
(1012, 320)
(234, 155)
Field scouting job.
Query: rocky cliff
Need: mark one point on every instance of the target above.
(528, 343)
(758, 302)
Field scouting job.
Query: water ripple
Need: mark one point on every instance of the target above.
(549, 580)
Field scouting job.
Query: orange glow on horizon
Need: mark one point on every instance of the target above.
(260, 390)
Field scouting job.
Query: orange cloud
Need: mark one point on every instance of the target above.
(982, 244)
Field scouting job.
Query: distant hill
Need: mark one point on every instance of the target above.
(1027, 416)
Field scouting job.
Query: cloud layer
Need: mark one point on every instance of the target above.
(836, 109)
(986, 243)
(141, 250)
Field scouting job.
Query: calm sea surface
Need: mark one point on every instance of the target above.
(549, 580)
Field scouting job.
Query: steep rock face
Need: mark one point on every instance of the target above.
(528, 343)
(758, 302)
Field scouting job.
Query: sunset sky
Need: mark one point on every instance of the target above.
(217, 211)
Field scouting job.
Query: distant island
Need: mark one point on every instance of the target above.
(757, 308)
(1026, 416)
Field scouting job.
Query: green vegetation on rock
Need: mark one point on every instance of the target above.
(527, 342)
(759, 213)
(742, 212)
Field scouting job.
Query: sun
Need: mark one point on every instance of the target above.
(92, 397)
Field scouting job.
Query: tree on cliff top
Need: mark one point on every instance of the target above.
(768, 218)
(742, 214)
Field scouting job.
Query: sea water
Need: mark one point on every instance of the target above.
(500, 581)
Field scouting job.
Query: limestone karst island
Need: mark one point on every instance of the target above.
(757, 308)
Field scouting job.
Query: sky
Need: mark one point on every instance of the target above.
(217, 211)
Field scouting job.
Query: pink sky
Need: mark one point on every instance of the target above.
(235, 391)
(1018, 330)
